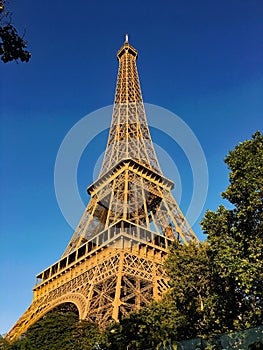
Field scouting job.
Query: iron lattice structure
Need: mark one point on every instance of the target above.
(114, 261)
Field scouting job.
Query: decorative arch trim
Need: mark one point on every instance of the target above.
(76, 298)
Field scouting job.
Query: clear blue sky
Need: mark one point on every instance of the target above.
(203, 60)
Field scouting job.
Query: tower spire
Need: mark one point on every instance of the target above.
(129, 135)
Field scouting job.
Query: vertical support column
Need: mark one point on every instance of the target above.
(138, 294)
(156, 295)
(145, 205)
(126, 194)
(109, 214)
(117, 300)
(89, 297)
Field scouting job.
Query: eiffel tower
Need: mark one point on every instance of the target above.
(114, 261)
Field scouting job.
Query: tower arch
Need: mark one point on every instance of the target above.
(38, 310)
(76, 299)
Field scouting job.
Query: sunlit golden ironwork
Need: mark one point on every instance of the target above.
(114, 261)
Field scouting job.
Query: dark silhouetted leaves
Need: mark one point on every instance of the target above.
(12, 45)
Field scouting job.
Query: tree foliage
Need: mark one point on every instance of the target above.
(217, 285)
(12, 45)
(190, 276)
(58, 330)
(149, 327)
(235, 235)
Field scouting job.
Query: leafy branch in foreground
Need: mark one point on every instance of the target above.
(12, 45)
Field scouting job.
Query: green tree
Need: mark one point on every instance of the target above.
(216, 286)
(4, 345)
(151, 326)
(87, 336)
(188, 267)
(12, 45)
(53, 331)
(59, 330)
(235, 237)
